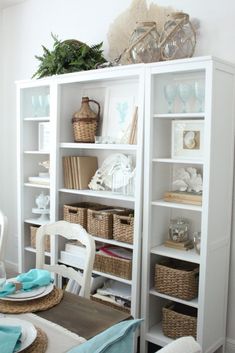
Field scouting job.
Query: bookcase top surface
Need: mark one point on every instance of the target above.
(113, 71)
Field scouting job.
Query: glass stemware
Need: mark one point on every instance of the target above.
(46, 104)
(2, 274)
(199, 91)
(185, 92)
(170, 92)
(36, 104)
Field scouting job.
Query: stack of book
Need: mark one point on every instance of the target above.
(74, 254)
(183, 245)
(115, 292)
(78, 171)
(183, 197)
(39, 180)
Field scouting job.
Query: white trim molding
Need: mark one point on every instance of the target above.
(230, 345)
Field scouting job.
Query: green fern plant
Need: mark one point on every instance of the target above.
(68, 56)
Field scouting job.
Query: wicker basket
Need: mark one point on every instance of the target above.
(177, 278)
(112, 305)
(113, 265)
(179, 320)
(33, 231)
(123, 228)
(77, 213)
(100, 222)
(84, 130)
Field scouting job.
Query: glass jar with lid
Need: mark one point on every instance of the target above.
(179, 229)
(144, 43)
(178, 38)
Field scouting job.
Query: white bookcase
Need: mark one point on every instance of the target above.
(212, 218)
(66, 92)
(145, 84)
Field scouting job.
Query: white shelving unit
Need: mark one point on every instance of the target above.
(66, 91)
(145, 85)
(212, 219)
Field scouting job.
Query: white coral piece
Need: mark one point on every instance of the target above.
(187, 180)
(96, 182)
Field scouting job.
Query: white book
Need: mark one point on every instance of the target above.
(115, 288)
(74, 248)
(72, 259)
(39, 180)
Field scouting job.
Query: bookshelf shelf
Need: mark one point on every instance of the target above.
(189, 255)
(34, 221)
(41, 186)
(100, 194)
(32, 250)
(193, 303)
(98, 146)
(180, 116)
(114, 242)
(176, 161)
(36, 152)
(37, 119)
(156, 336)
(183, 206)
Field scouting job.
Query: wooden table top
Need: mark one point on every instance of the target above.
(82, 316)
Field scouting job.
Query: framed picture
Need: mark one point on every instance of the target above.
(44, 136)
(118, 117)
(187, 139)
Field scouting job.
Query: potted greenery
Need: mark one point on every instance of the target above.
(68, 56)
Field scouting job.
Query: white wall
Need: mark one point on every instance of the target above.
(28, 25)
(1, 117)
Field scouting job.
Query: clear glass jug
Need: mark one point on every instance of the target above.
(178, 38)
(144, 43)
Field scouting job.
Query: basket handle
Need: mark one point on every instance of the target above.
(72, 211)
(98, 216)
(93, 101)
(124, 220)
(196, 272)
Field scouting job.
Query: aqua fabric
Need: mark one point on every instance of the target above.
(116, 339)
(31, 279)
(9, 335)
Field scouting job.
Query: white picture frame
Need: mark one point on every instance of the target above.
(118, 116)
(44, 138)
(187, 140)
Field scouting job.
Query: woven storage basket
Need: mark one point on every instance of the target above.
(112, 305)
(77, 213)
(100, 222)
(177, 278)
(123, 228)
(113, 265)
(179, 320)
(33, 231)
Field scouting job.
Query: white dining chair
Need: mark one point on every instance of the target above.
(3, 235)
(69, 231)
